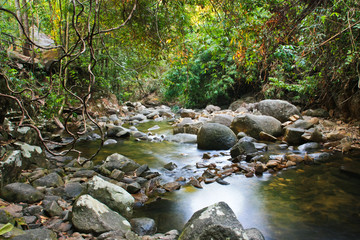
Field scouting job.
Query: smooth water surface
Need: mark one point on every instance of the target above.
(306, 202)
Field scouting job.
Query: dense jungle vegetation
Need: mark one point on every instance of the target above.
(188, 52)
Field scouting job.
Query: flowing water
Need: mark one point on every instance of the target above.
(306, 202)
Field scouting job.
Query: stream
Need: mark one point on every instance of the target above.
(305, 202)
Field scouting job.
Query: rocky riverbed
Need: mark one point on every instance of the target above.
(47, 197)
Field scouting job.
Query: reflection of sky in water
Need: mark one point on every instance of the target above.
(317, 203)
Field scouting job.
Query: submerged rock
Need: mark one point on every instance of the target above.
(214, 136)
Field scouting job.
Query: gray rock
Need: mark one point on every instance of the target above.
(117, 131)
(170, 166)
(252, 125)
(113, 118)
(90, 215)
(188, 126)
(243, 147)
(254, 234)
(51, 180)
(217, 221)
(278, 109)
(214, 136)
(118, 161)
(321, 157)
(187, 113)
(143, 226)
(319, 112)
(133, 188)
(311, 146)
(37, 234)
(223, 119)
(182, 138)
(21, 192)
(73, 189)
(110, 141)
(114, 196)
(300, 123)
(212, 108)
(293, 135)
(53, 209)
(138, 117)
(12, 166)
(32, 155)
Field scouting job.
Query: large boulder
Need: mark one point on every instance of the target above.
(278, 109)
(120, 162)
(252, 125)
(117, 131)
(215, 136)
(223, 119)
(114, 196)
(217, 221)
(21, 192)
(90, 215)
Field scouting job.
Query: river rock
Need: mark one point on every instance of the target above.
(319, 112)
(214, 136)
(33, 156)
(110, 141)
(311, 146)
(321, 157)
(90, 215)
(279, 109)
(117, 131)
(304, 124)
(21, 192)
(51, 180)
(254, 234)
(293, 135)
(12, 166)
(212, 108)
(37, 234)
(73, 189)
(182, 138)
(252, 125)
(187, 125)
(243, 147)
(217, 221)
(118, 161)
(143, 226)
(187, 113)
(223, 119)
(114, 196)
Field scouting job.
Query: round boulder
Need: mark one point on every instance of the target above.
(215, 136)
(279, 109)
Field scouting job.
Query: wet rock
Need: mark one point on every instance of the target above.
(193, 181)
(141, 171)
(321, 157)
(182, 138)
(217, 221)
(279, 109)
(290, 164)
(51, 180)
(254, 234)
(118, 161)
(170, 166)
(272, 163)
(222, 181)
(243, 147)
(21, 192)
(259, 168)
(117, 131)
(143, 226)
(311, 146)
(110, 141)
(172, 186)
(37, 234)
(223, 119)
(187, 113)
(295, 158)
(293, 136)
(90, 215)
(214, 136)
(140, 135)
(252, 125)
(113, 196)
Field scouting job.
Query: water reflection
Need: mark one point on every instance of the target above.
(307, 202)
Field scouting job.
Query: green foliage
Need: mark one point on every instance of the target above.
(6, 228)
